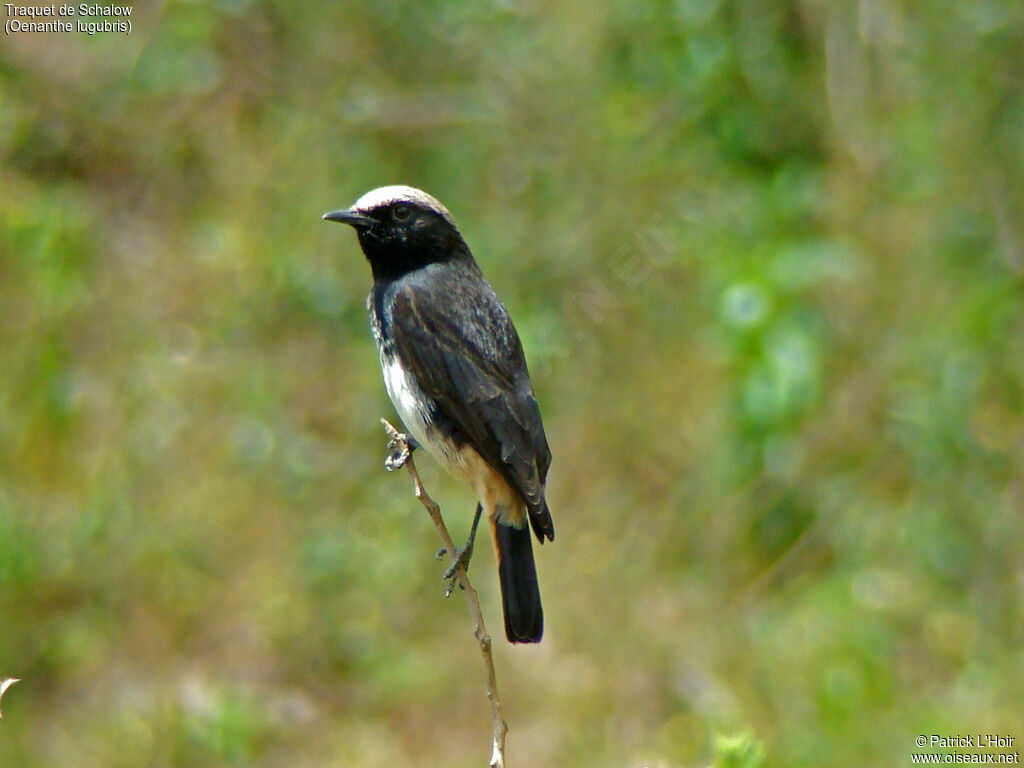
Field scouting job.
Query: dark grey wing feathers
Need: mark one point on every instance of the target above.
(477, 374)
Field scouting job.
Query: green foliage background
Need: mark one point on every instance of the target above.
(767, 262)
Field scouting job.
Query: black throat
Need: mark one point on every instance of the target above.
(393, 258)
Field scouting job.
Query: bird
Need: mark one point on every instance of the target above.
(455, 370)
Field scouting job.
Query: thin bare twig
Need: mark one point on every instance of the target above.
(400, 454)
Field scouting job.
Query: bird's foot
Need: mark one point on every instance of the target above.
(451, 574)
(461, 556)
(400, 448)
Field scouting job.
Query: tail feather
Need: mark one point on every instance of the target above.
(520, 593)
(542, 524)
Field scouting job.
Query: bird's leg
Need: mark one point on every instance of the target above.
(463, 556)
(400, 448)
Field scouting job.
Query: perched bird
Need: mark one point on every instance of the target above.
(454, 369)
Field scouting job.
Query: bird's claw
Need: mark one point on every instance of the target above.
(451, 574)
(462, 558)
(400, 448)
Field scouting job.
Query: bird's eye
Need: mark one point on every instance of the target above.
(401, 212)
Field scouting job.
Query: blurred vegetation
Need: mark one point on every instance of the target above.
(768, 265)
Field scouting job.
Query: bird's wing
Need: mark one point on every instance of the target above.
(474, 369)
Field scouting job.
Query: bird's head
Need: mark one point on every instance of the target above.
(402, 229)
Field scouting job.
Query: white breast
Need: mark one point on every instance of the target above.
(408, 399)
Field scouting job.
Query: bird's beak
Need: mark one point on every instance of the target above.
(351, 217)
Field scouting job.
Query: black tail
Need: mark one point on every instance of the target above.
(520, 593)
